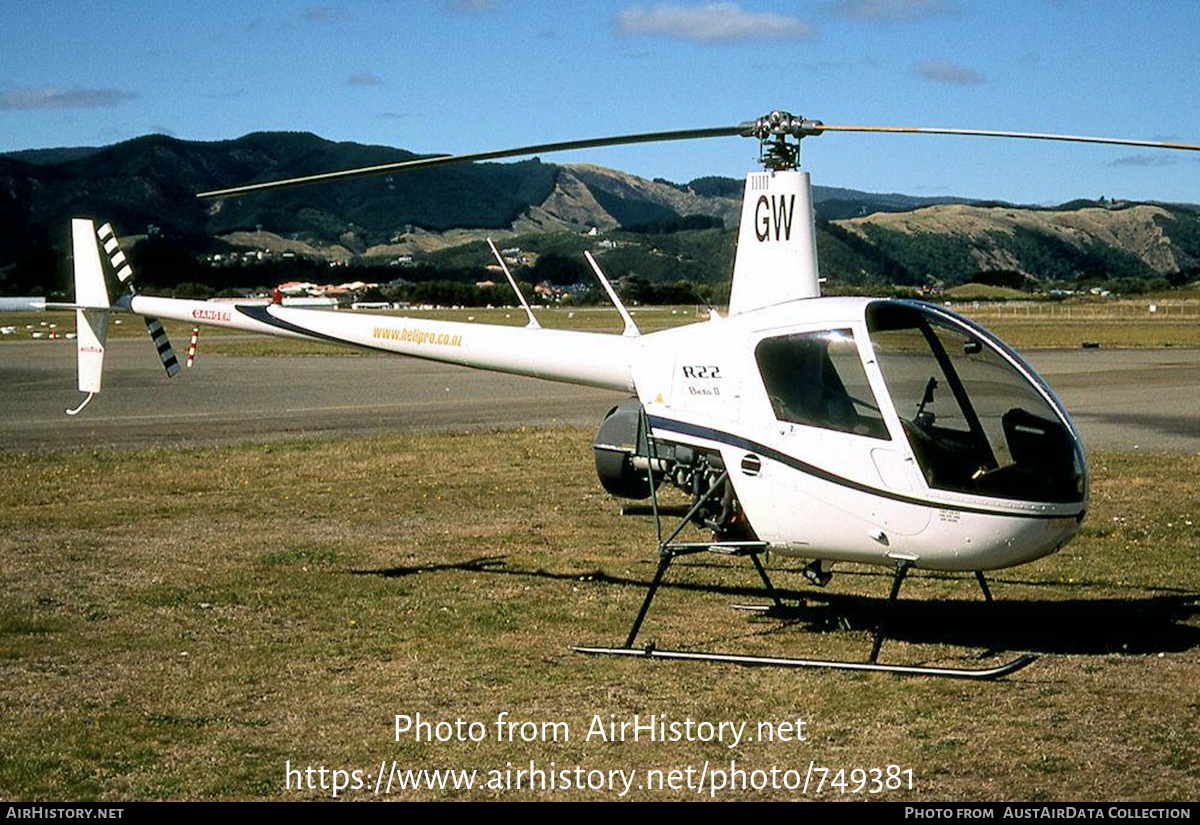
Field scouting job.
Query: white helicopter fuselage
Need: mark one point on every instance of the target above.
(852, 429)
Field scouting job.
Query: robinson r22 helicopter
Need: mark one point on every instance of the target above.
(888, 432)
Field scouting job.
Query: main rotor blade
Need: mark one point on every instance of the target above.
(1151, 144)
(776, 124)
(446, 160)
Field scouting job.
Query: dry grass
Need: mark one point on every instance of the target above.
(180, 624)
(1073, 333)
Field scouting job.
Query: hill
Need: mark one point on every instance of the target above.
(660, 229)
(952, 242)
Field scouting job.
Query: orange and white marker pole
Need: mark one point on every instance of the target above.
(192, 345)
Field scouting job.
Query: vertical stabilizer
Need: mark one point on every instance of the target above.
(91, 330)
(90, 289)
(91, 299)
(777, 242)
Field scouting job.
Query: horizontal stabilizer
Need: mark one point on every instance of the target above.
(31, 304)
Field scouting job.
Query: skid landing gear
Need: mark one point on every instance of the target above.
(980, 674)
(753, 550)
(669, 550)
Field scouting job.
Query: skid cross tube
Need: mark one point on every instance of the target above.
(771, 591)
(667, 552)
(902, 568)
(983, 585)
(665, 557)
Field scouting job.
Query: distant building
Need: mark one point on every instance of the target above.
(299, 288)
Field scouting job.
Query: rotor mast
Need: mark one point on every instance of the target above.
(775, 152)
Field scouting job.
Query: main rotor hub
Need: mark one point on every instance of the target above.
(775, 151)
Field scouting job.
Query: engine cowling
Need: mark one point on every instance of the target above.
(620, 440)
(627, 460)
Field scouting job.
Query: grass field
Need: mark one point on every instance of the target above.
(183, 624)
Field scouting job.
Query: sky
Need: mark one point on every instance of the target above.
(455, 76)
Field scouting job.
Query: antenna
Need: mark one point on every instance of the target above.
(631, 329)
(533, 323)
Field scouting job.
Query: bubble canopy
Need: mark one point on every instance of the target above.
(978, 418)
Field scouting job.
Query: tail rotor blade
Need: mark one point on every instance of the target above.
(161, 343)
(115, 256)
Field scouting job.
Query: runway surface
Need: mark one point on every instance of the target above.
(1145, 400)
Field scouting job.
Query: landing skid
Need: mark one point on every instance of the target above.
(669, 550)
(978, 674)
(752, 549)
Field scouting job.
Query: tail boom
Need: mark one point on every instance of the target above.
(586, 358)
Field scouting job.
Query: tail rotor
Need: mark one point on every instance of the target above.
(93, 305)
(124, 272)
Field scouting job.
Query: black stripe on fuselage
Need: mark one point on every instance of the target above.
(710, 434)
(262, 315)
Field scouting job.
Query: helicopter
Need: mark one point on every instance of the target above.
(888, 432)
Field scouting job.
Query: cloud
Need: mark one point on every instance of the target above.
(50, 97)
(943, 71)
(364, 79)
(714, 23)
(1146, 159)
(326, 14)
(892, 11)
